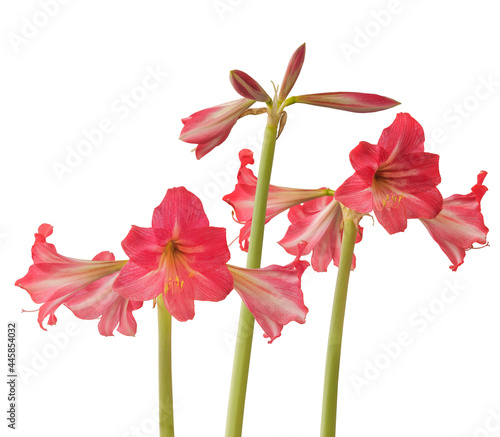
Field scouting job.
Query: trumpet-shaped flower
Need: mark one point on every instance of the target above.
(460, 223)
(180, 256)
(210, 127)
(395, 178)
(86, 287)
(280, 198)
(317, 226)
(272, 294)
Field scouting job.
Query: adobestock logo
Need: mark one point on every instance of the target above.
(120, 109)
(42, 357)
(418, 323)
(363, 35)
(30, 27)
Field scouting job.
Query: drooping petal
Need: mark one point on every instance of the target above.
(459, 224)
(292, 72)
(210, 127)
(272, 294)
(348, 101)
(119, 313)
(248, 87)
(179, 211)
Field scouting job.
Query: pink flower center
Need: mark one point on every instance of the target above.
(384, 194)
(168, 261)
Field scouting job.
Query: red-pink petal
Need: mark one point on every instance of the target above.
(365, 159)
(273, 295)
(355, 193)
(402, 137)
(248, 87)
(205, 249)
(388, 208)
(146, 245)
(426, 204)
(140, 284)
(459, 224)
(348, 101)
(179, 211)
(119, 313)
(292, 72)
(411, 173)
(212, 285)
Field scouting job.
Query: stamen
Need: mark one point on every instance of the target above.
(232, 241)
(479, 247)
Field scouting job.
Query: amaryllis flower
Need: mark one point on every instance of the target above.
(317, 226)
(460, 223)
(83, 286)
(272, 294)
(210, 127)
(280, 198)
(180, 257)
(395, 178)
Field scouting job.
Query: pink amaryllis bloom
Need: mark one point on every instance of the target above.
(86, 287)
(317, 226)
(272, 294)
(460, 223)
(280, 198)
(181, 257)
(395, 178)
(210, 127)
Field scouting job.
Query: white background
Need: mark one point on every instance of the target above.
(70, 73)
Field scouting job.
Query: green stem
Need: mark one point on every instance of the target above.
(241, 364)
(165, 369)
(329, 414)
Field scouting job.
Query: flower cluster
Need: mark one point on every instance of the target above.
(180, 257)
(395, 178)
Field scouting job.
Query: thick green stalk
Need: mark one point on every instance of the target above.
(165, 369)
(329, 414)
(241, 364)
